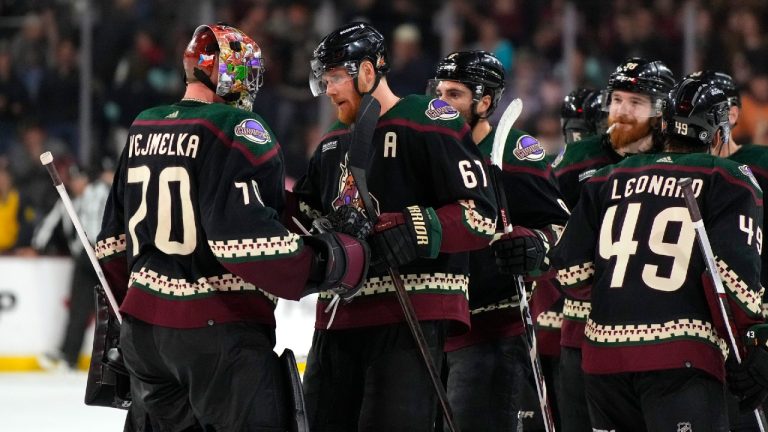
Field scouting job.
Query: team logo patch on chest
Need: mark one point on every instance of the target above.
(253, 131)
(440, 110)
(528, 148)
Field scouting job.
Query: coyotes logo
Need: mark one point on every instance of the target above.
(348, 193)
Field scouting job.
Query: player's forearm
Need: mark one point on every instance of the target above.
(465, 227)
(285, 277)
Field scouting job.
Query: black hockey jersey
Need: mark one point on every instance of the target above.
(534, 202)
(579, 161)
(423, 155)
(630, 245)
(191, 226)
(756, 156)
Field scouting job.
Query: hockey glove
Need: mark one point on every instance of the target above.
(401, 238)
(340, 264)
(350, 220)
(749, 380)
(521, 251)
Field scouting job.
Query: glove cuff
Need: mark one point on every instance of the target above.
(426, 230)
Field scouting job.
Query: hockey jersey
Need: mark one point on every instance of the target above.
(756, 156)
(631, 247)
(579, 161)
(190, 234)
(423, 155)
(534, 202)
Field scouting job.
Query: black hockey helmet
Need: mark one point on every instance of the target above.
(723, 81)
(639, 75)
(581, 114)
(348, 46)
(695, 111)
(481, 71)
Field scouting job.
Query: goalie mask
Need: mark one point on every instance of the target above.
(347, 47)
(237, 57)
(480, 71)
(695, 111)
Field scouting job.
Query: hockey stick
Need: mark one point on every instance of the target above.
(47, 160)
(497, 156)
(359, 159)
(709, 259)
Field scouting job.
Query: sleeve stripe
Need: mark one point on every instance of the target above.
(575, 274)
(256, 248)
(475, 221)
(749, 300)
(110, 246)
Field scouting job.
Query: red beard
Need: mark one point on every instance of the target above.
(348, 111)
(627, 131)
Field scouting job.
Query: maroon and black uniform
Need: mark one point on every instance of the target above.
(193, 248)
(630, 247)
(365, 368)
(492, 358)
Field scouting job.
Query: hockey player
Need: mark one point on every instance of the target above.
(191, 243)
(582, 115)
(653, 356)
(633, 100)
(489, 372)
(755, 156)
(434, 196)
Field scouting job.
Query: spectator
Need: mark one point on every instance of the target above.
(410, 67)
(9, 210)
(60, 94)
(13, 98)
(753, 121)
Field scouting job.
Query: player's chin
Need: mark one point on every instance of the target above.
(345, 113)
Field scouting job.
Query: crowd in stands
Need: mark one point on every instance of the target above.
(137, 46)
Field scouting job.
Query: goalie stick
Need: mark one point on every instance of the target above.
(47, 160)
(709, 259)
(359, 159)
(508, 118)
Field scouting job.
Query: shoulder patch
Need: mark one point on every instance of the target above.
(528, 148)
(253, 131)
(440, 110)
(748, 172)
(587, 174)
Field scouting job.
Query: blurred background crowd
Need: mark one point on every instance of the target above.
(74, 73)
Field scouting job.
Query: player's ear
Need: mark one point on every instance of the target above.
(483, 106)
(368, 74)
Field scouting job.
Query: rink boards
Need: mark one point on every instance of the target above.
(33, 312)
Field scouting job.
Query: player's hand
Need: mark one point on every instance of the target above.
(749, 380)
(340, 264)
(521, 251)
(401, 238)
(350, 220)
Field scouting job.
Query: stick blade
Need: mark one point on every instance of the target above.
(502, 130)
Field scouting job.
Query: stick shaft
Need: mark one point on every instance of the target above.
(709, 258)
(80, 232)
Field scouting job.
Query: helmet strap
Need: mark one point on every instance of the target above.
(205, 79)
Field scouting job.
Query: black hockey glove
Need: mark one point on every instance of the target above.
(749, 380)
(401, 238)
(350, 220)
(340, 264)
(521, 251)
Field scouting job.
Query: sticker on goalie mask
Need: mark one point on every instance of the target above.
(440, 110)
(528, 148)
(253, 131)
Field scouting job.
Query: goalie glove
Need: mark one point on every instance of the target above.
(401, 238)
(521, 251)
(340, 264)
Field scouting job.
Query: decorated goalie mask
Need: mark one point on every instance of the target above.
(240, 65)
